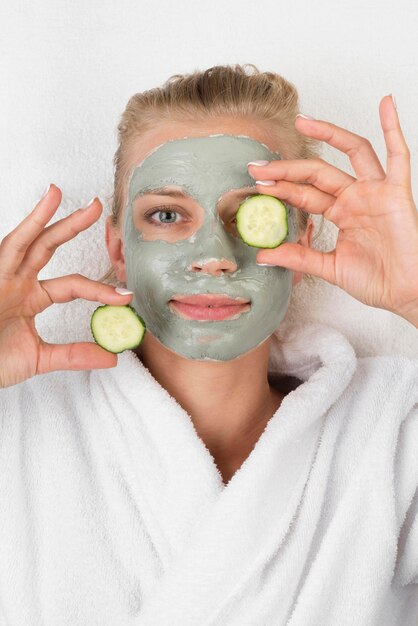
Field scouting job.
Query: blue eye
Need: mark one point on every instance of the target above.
(163, 212)
(167, 217)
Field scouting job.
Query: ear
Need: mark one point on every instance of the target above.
(305, 240)
(115, 249)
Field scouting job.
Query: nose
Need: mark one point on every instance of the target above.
(215, 267)
(216, 253)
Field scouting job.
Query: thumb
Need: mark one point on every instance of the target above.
(73, 356)
(303, 259)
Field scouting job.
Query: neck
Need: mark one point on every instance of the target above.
(229, 402)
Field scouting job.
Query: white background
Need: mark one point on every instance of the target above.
(68, 69)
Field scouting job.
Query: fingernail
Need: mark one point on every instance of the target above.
(123, 292)
(267, 183)
(89, 204)
(306, 117)
(394, 101)
(46, 191)
(266, 264)
(258, 163)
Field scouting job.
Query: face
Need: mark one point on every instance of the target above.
(180, 239)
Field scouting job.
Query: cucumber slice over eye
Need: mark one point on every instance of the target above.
(262, 221)
(117, 328)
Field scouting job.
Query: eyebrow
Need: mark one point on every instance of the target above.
(179, 193)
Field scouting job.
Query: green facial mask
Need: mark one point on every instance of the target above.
(157, 270)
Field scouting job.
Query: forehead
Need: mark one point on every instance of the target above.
(201, 165)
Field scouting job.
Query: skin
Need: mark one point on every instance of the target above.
(229, 424)
(164, 260)
(375, 259)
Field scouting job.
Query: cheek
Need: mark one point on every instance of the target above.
(268, 285)
(153, 267)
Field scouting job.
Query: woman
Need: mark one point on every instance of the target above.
(233, 469)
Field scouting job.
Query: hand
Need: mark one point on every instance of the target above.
(376, 255)
(23, 253)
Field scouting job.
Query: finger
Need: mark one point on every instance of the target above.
(74, 356)
(317, 172)
(398, 154)
(302, 196)
(300, 258)
(42, 249)
(13, 247)
(73, 286)
(363, 158)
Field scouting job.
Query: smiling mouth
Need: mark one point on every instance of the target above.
(209, 308)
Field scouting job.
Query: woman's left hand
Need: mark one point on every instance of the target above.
(376, 254)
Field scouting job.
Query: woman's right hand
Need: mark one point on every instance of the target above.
(23, 253)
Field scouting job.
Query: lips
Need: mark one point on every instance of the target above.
(210, 299)
(209, 306)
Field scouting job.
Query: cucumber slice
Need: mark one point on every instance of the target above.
(262, 221)
(117, 328)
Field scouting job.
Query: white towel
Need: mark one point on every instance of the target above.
(113, 512)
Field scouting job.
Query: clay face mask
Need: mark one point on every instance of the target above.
(167, 262)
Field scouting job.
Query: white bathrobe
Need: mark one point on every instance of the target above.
(113, 512)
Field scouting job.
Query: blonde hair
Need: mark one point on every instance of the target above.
(220, 91)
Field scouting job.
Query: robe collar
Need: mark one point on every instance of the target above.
(203, 531)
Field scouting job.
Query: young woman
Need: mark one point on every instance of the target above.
(234, 469)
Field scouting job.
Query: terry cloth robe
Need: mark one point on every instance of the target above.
(113, 512)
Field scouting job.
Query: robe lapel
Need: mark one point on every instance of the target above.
(211, 539)
(165, 465)
(234, 530)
